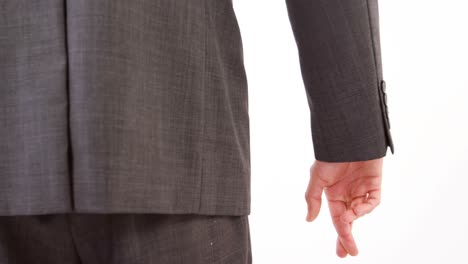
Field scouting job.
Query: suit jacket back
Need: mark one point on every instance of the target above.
(142, 106)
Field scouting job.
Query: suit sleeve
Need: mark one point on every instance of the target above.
(338, 45)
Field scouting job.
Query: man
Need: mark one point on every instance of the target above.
(124, 127)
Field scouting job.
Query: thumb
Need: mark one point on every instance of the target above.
(313, 197)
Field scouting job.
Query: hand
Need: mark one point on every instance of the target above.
(352, 190)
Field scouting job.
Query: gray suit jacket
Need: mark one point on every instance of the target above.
(117, 106)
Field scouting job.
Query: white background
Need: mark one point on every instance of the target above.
(423, 216)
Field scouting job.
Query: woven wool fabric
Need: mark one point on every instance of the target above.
(82, 238)
(142, 106)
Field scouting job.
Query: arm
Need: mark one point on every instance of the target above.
(339, 52)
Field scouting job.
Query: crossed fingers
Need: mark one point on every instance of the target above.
(343, 214)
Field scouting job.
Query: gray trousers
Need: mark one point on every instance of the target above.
(71, 238)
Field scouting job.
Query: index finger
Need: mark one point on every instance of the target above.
(337, 209)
